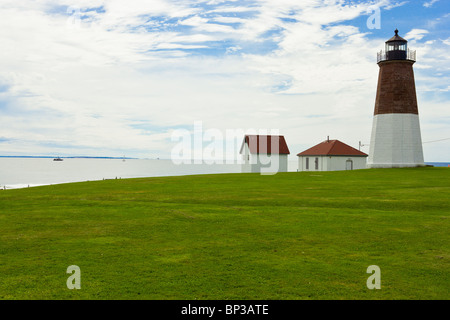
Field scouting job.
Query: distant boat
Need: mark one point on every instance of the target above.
(58, 159)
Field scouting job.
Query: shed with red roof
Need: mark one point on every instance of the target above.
(331, 155)
(264, 153)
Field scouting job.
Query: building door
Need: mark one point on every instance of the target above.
(349, 165)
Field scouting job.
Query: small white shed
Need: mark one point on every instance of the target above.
(264, 153)
(331, 155)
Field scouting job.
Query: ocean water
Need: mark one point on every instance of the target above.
(24, 172)
(439, 164)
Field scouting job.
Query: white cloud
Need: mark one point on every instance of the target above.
(429, 4)
(130, 72)
(416, 34)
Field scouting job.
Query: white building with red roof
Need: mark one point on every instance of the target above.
(331, 155)
(264, 154)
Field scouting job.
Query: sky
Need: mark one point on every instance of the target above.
(125, 78)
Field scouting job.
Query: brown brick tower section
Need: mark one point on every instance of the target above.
(396, 92)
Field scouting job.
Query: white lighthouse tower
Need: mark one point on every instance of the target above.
(396, 139)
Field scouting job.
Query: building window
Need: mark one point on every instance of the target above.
(316, 162)
(307, 163)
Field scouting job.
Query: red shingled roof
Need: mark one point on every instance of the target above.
(262, 144)
(332, 148)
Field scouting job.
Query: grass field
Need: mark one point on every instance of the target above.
(231, 236)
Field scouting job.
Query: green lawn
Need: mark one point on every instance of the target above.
(231, 236)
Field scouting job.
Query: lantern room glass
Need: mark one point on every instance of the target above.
(396, 46)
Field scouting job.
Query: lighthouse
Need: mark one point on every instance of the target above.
(396, 141)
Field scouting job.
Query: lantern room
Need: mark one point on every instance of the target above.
(396, 48)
